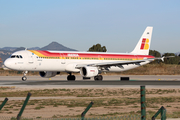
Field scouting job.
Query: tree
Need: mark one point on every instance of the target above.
(155, 54)
(97, 48)
(171, 60)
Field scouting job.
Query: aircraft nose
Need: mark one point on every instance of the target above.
(7, 63)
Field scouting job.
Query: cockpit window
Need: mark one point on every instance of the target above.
(16, 56)
(13, 56)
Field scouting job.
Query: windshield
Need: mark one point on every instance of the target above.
(16, 56)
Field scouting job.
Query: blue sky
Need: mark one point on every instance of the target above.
(79, 24)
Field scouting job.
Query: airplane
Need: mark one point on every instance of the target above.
(88, 64)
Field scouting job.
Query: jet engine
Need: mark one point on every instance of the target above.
(88, 71)
(48, 74)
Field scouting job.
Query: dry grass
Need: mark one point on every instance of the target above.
(107, 102)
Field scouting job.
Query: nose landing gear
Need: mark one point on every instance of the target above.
(24, 78)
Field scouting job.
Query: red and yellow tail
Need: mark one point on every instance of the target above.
(142, 47)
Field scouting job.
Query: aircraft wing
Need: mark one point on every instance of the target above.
(120, 63)
(116, 63)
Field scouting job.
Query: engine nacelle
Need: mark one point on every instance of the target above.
(48, 74)
(88, 71)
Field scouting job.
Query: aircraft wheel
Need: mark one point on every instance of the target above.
(98, 77)
(95, 78)
(71, 77)
(24, 78)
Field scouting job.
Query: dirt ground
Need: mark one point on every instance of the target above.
(61, 103)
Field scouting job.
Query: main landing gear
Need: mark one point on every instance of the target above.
(71, 77)
(98, 77)
(24, 78)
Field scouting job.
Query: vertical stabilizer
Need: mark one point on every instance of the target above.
(142, 47)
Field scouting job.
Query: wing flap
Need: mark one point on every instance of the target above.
(116, 63)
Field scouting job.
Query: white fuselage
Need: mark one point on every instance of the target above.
(33, 62)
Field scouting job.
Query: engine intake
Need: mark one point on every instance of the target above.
(89, 71)
(48, 74)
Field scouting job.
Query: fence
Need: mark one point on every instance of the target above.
(162, 110)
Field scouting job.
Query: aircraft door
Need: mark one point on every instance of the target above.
(32, 61)
(63, 59)
(100, 58)
(136, 57)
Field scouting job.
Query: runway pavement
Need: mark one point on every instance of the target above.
(172, 81)
(105, 77)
